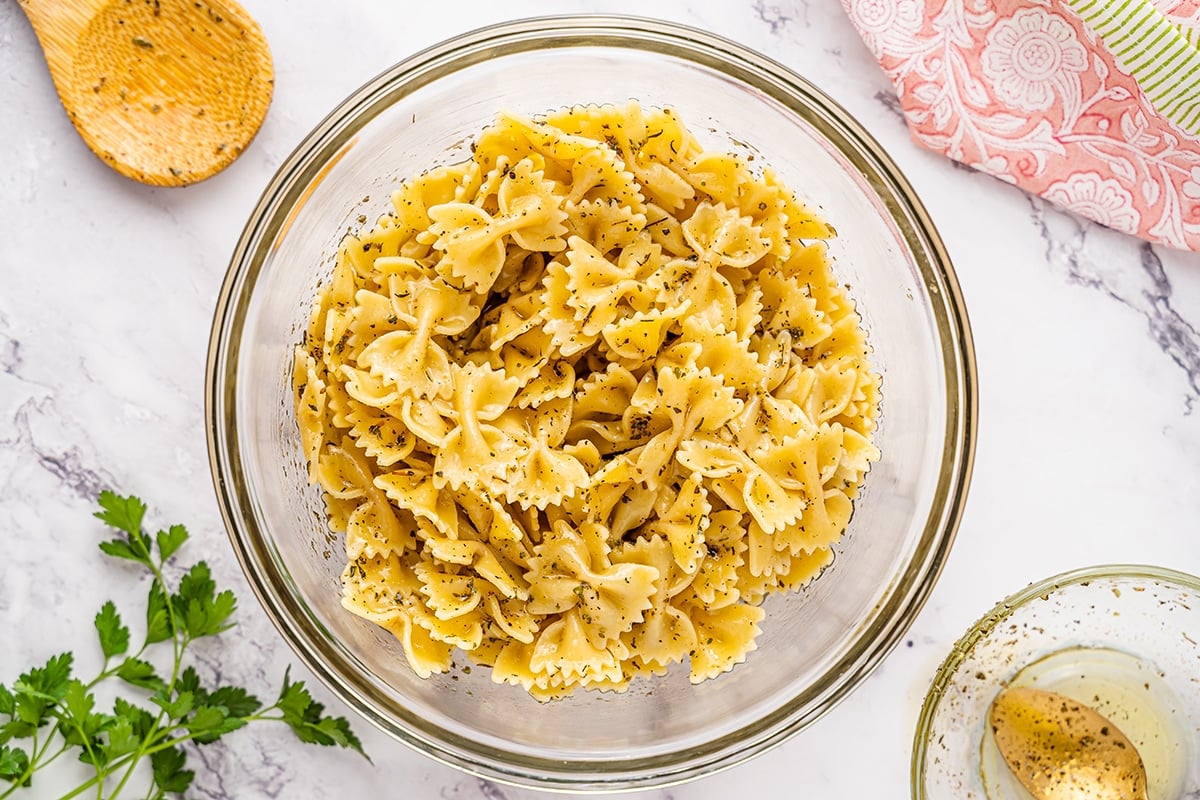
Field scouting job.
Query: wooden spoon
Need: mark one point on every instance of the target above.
(167, 92)
(1060, 749)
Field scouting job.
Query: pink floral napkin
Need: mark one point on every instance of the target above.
(1025, 91)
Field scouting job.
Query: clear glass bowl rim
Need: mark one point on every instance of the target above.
(1002, 611)
(266, 573)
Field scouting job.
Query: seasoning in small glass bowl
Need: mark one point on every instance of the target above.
(1040, 686)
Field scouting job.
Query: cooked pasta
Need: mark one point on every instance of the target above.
(580, 402)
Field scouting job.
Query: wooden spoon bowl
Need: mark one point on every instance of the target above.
(167, 92)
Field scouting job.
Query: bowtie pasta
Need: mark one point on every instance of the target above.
(581, 401)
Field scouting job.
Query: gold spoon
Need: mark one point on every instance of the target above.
(167, 92)
(1060, 749)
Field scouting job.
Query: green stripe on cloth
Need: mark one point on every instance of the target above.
(1162, 57)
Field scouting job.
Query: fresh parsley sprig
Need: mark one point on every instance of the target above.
(48, 711)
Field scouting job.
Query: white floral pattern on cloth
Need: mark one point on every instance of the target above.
(1096, 197)
(1032, 57)
(1023, 90)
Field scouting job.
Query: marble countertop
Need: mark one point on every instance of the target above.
(1088, 346)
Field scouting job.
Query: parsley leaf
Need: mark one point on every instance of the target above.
(305, 717)
(123, 513)
(77, 702)
(13, 762)
(122, 739)
(141, 673)
(36, 692)
(236, 701)
(158, 617)
(169, 773)
(140, 719)
(114, 636)
(210, 723)
(7, 701)
(170, 540)
(177, 708)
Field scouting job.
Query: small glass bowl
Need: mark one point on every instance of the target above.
(1131, 630)
(817, 644)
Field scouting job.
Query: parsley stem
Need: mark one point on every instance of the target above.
(83, 787)
(108, 671)
(36, 762)
(129, 762)
(179, 643)
(129, 769)
(87, 746)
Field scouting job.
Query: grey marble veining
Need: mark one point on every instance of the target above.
(1084, 255)
(1088, 347)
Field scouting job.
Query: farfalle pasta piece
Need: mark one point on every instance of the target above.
(411, 360)
(511, 618)
(580, 402)
(412, 201)
(595, 286)
(565, 574)
(701, 285)
(802, 568)
(721, 176)
(607, 487)
(567, 336)
(723, 237)
(464, 632)
(640, 335)
(383, 590)
(309, 391)
(754, 489)
(716, 583)
(343, 472)
(726, 354)
(605, 393)
(534, 212)
(415, 491)
(512, 665)
(605, 225)
(449, 594)
(425, 419)
(766, 421)
(565, 648)
(483, 559)
(554, 381)
(361, 386)
(431, 304)
(723, 638)
(548, 475)
(383, 437)
(373, 315)
(691, 401)
(519, 315)
(682, 524)
(472, 243)
(666, 634)
(375, 529)
(425, 654)
(474, 452)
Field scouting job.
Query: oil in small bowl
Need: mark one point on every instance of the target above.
(1122, 687)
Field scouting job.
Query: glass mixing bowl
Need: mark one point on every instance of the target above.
(817, 644)
(1121, 637)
